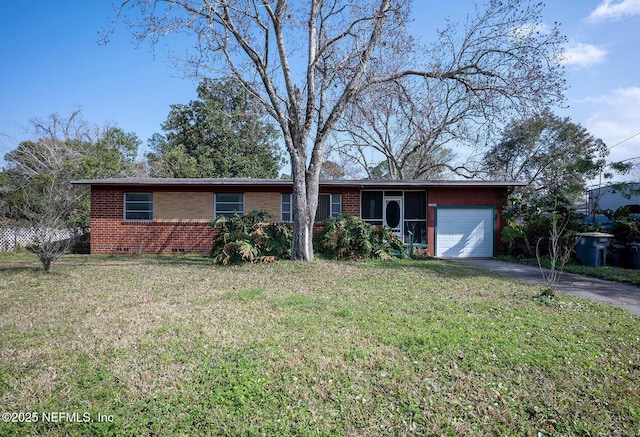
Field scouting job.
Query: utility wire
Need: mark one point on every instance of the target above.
(630, 159)
(625, 140)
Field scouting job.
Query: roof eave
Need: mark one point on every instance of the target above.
(233, 182)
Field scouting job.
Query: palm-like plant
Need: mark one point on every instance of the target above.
(249, 238)
(348, 237)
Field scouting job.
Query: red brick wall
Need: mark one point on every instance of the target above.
(351, 202)
(492, 197)
(111, 234)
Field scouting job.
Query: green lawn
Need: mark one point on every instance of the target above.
(173, 345)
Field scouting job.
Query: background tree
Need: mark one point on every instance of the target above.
(36, 183)
(331, 170)
(221, 134)
(406, 125)
(551, 155)
(470, 90)
(167, 161)
(556, 159)
(339, 166)
(306, 61)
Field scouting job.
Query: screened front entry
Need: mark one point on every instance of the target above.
(400, 211)
(392, 215)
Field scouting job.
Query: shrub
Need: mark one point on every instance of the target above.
(529, 226)
(626, 225)
(250, 238)
(348, 237)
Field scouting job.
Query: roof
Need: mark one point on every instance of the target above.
(616, 186)
(348, 183)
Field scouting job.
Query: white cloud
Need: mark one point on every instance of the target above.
(614, 10)
(583, 55)
(614, 118)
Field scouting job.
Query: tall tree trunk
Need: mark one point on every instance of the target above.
(302, 244)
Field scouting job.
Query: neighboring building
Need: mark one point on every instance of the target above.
(612, 198)
(164, 216)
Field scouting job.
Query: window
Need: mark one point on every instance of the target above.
(415, 205)
(371, 207)
(329, 205)
(415, 215)
(227, 204)
(138, 206)
(286, 207)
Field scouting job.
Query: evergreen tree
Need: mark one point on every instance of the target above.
(221, 134)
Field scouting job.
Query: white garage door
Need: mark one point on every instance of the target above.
(465, 232)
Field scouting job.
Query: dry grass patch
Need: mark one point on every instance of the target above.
(179, 346)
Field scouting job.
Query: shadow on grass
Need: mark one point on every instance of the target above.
(440, 267)
(30, 267)
(23, 263)
(181, 260)
(16, 264)
(17, 270)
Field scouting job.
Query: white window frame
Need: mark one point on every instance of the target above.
(126, 211)
(336, 204)
(286, 208)
(227, 212)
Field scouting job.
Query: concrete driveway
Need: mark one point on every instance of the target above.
(614, 293)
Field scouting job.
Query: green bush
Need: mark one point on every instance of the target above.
(626, 225)
(528, 226)
(348, 237)
(250, 238)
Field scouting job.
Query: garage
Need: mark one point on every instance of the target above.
(465, 232)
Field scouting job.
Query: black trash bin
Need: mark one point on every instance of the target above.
(617, 255)
(592, 248)
(633, 255)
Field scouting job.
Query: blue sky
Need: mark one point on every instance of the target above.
(52, 63)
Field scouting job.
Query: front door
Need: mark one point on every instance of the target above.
(393, 216)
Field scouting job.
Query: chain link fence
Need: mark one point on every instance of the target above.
(13, 237)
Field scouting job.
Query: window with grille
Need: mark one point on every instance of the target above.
(138, 206)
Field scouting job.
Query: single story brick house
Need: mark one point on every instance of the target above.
(168, 216)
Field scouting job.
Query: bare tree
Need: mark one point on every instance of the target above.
(42, 198)
(634, 170)
(406, 125)
(38, 196)
(561, 243)
(38, 191)
(337, 165)
(46, 205)
(306, 61)
(501, 63)
(52, 146)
